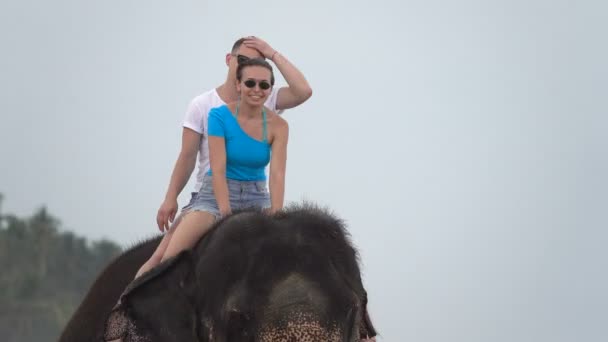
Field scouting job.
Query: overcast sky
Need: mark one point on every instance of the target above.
(463, 141)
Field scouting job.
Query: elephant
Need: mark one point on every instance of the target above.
(290, 276)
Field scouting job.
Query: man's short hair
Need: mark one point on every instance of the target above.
(237, 45)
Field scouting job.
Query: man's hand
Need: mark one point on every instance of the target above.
(256, 43)
(166, 214)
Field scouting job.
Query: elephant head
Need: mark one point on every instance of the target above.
(292, 276)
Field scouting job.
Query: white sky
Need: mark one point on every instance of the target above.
(463, 141)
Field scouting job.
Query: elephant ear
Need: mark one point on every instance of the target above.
(366, 328)
(158, 306)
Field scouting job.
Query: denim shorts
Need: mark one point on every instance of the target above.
(243, 195)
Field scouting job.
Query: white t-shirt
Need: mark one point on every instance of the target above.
(196, 120)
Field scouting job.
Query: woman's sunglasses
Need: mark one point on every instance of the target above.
(264, 85)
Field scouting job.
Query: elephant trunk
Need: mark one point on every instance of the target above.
(297, 309)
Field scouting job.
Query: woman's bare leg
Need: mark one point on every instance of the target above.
(157, 256)
(195, 224)
(191, 228)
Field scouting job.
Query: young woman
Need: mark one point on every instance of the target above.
(244, 137)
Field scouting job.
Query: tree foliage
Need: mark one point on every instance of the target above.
(44, 274)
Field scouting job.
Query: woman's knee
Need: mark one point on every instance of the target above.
(194, 223)
(191, 228)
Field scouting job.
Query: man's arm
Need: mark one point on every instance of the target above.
(298, 89)
(179, 178)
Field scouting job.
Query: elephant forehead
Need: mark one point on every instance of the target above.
(301, 327)
(296, 288)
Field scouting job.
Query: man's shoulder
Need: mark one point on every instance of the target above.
(208, 99)
(198, 110)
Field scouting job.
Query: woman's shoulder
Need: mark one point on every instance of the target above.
(220, 111)
(277, 124)
(221, 108)
(274, 118)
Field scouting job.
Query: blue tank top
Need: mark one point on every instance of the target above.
(246, 157)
